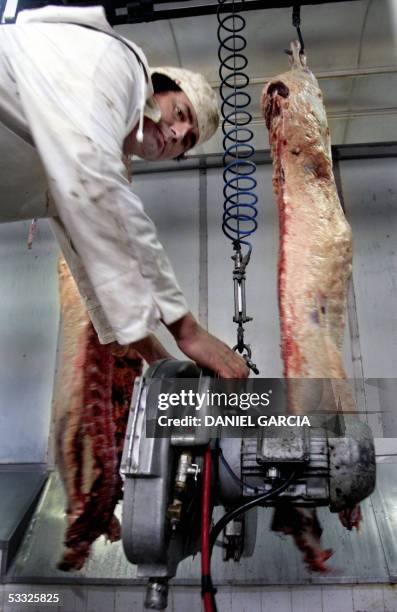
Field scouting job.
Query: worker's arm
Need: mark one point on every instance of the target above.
(193, 340)
(78, 121)
(207, 350)
(79, 111)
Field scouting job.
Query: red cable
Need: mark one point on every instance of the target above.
(205, 530)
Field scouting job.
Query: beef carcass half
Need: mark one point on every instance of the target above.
(91, 403)
(315, 262)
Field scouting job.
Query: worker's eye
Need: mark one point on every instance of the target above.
(179, 113)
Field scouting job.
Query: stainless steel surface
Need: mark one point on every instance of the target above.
(19, 493)
(359, 557)
(41, 549)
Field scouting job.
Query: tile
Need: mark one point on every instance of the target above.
(276, 599)
(73, 598)
(100, 599)
(337, 599)
(306, 599)
(223, 599)
(390, 597)
(246, 599)
(80, 594)
(129, 599)
(186, 598)
(368, 598)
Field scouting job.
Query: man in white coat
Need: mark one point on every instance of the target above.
(83, 97)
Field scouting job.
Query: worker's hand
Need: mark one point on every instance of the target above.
(149, 348)
(206, 350)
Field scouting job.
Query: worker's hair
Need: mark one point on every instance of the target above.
(163, 83)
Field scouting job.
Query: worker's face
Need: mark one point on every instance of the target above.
(176, 132)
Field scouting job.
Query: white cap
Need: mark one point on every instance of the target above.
(200, 94)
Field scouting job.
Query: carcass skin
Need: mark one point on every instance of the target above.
(315, 263)
(91, 403)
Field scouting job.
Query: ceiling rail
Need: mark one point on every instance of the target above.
(119, 13)
(146, 10)
(342, 73)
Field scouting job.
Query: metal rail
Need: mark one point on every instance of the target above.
(324, 75)
(119, 13)
(214, 160)
(147, 11)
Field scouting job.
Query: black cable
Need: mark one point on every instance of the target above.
(255, 501)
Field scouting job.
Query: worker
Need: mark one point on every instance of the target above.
(85, 98)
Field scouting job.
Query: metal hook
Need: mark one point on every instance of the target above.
(241, 347)
(296, 22)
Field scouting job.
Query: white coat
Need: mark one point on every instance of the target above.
(76, 94)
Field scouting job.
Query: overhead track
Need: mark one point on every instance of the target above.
(139, 11)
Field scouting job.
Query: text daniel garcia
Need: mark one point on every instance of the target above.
(236, 420)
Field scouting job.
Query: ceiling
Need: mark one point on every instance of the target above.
(351, 47)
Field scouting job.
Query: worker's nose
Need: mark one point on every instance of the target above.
(179, 131)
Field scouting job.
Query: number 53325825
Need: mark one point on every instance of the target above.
(33, 598)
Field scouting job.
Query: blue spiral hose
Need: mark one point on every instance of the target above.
(239, 209)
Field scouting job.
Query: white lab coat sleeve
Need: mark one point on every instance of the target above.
(78, 121)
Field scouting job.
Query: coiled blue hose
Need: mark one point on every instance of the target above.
(239, 209)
